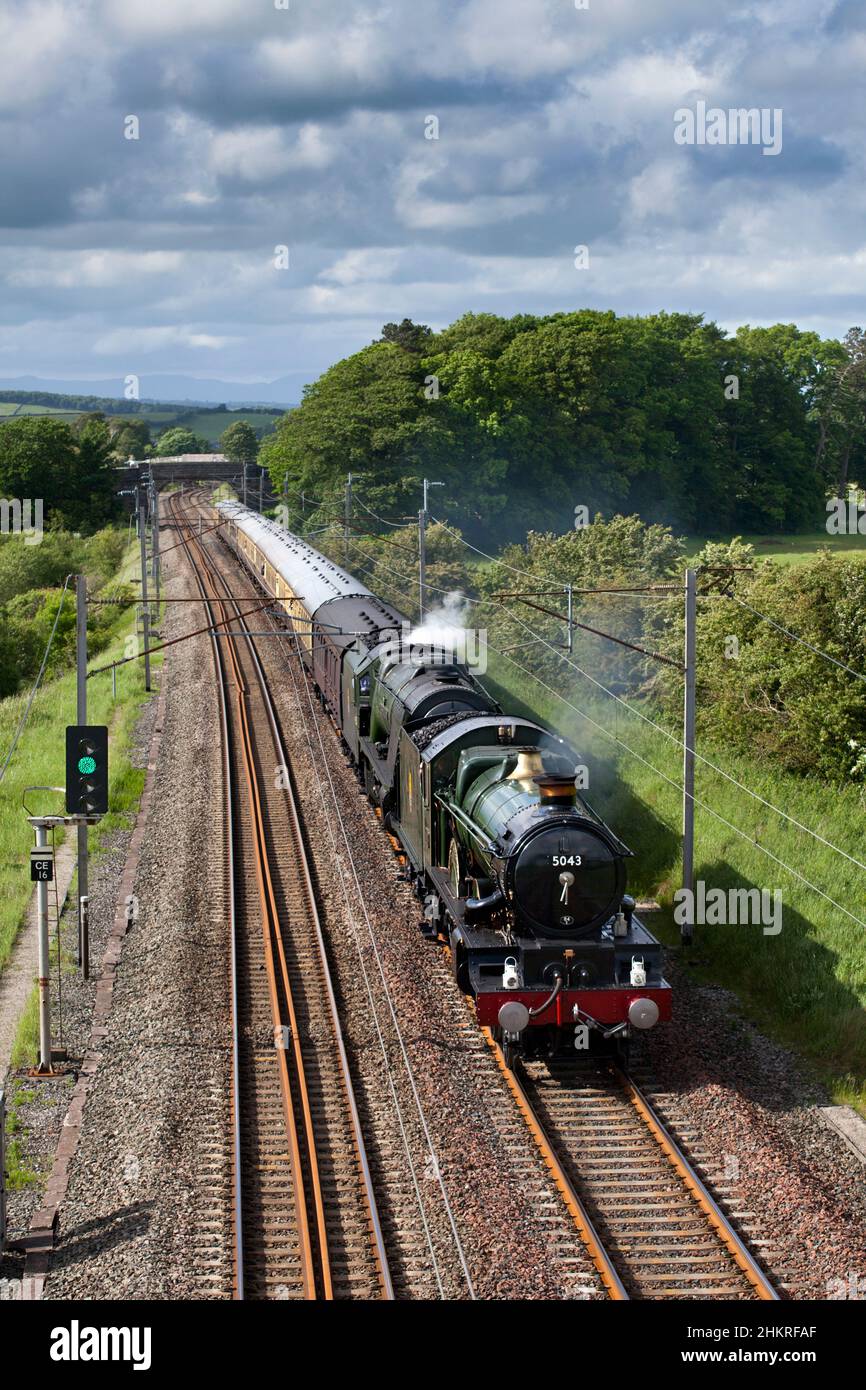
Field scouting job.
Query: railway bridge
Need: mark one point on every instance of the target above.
(190, 468)
(183, 467)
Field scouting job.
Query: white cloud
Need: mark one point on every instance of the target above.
(152, 19)
(195, 198)
(120, 341)
(39, 42)
(661, 189)
(372, 263)
(94, 269)
(259, 154)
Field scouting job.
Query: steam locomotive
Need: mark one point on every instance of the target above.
(512, 866)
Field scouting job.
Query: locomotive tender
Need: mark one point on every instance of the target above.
(511, 864)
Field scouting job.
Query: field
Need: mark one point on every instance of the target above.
(209, 423)
(788, 549)
(11, 408)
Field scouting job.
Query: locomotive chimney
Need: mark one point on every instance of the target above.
(556, 790)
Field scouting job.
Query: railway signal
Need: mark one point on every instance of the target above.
(86, 769)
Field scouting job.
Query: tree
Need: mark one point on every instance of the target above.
(72, 473)
(239, 442)
(839, 402)
(130, 438)
(367, 414)
(526, 418)
(769, 697)
(180, 440)
(91, 499)
(618, 553)
(36, 455)
(89, 417)
(768, 440)
(413, 337)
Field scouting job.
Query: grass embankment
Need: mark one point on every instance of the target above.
(40, 760)
(805, 986)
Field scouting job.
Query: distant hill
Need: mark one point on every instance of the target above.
(166, 389)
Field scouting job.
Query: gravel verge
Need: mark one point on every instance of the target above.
(41, 1104)
(142, 1217)
(748, 1108)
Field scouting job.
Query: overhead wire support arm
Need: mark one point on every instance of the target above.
(576, 589)
(235, 617)
(632, 646)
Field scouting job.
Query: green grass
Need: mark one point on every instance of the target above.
(39, 760)
(26, 1044)
(788, 550)
(213, 426)
(806, 986)
(18, 1174)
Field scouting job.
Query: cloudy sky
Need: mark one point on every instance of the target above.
(305, 126)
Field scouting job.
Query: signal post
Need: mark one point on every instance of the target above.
(86, 801)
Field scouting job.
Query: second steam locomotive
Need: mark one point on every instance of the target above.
(510, 863)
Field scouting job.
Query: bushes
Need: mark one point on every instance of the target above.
(621, 552)
(31, 580)
(765, 694)
(24, 567)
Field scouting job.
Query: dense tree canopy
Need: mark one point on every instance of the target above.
(525, 418)
(72, 471)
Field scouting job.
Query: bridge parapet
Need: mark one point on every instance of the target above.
(184, 468)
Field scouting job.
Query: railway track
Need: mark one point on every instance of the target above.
(649, 1222)
(304, 1217)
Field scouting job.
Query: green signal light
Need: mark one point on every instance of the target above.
(86, 765)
